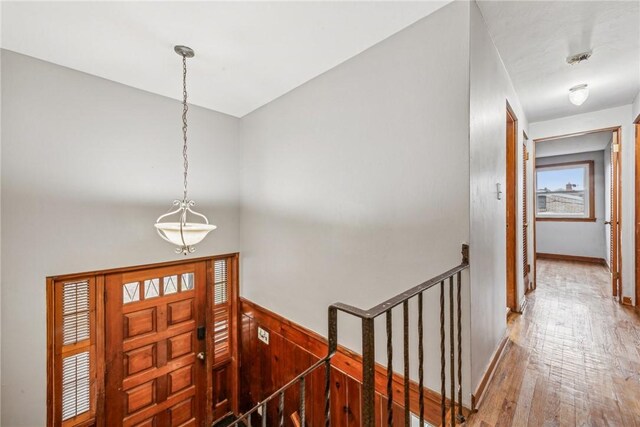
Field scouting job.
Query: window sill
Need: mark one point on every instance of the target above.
(560, 219)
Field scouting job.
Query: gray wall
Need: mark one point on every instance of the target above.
(346, 192)
(490, 89)
(576, 238)
(87, 167)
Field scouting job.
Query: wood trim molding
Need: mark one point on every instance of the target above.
(477, 396)
(637, 206)
(345, 360)
(511, 207)
(569, 135)
(577, 258)
(556, 219)
(133, 268)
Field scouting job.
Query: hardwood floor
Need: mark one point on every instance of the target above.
(573, 357)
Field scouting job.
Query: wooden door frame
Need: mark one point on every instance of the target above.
(613, 129)
(637, 204)
(529, 283)
(534, 185)
(100, 318)
(511, 208)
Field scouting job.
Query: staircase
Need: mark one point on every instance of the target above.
(451, 409)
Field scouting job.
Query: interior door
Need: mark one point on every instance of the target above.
(614, 221)
(525, 221)
(155, 357)
(511, 209)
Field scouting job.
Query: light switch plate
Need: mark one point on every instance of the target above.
(263, 335)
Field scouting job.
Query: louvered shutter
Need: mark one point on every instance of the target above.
(74, 350)
(221, 309)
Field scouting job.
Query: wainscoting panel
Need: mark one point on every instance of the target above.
(291, 349)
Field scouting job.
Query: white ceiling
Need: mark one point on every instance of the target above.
(574, 144)
(247, 53)
(535, 37)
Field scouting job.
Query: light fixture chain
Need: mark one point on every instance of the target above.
(185, 108)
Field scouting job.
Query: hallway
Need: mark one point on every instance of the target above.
(573, 357)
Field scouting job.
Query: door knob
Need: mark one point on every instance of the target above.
(200, 355)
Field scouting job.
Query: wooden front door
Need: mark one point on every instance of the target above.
(156, 372)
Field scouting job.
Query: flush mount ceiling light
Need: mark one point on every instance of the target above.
(181, 232)
(578, 94)
(578, 57)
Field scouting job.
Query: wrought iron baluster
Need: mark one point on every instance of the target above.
(264, 414)
(303, 405)
(452, 354)
(327, 393)
(405, 321)
(281, 410)
(368, 372)
(420, 361)
(443, 390)
(389, 369)
(460, 415)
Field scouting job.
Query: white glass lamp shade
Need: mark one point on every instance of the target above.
(578, 94)
(192, 232)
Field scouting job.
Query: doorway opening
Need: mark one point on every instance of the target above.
(511, 208)
(577, 203)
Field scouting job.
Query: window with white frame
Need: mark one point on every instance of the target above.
(564, 191)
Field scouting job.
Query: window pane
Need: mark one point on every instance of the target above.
(75, 385)
(561, 191)
(187, 281)
(170, 284)
(130, 292)
(151, 287)
(75, 312)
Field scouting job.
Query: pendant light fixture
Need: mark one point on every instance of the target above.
(181, 232)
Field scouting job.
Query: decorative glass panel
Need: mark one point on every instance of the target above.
(187, 281)
(170, 285)
(75, 312)
(75, 385)
(151, 288)
(131, 292)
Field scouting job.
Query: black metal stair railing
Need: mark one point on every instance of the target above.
(368, 347)
(368, 356)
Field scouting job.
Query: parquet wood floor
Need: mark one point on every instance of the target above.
(573, 356)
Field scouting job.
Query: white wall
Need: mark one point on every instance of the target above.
(574, 144)
(490, 89)
(87, 167)
(619, 116)
(576, 238)
(356, 184)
